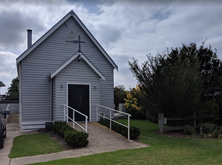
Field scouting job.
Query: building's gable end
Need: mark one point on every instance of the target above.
(81, 56)
(56, 26)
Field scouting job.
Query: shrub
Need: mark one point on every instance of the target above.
(134, 103)
(104, 122)
(64, 128)
(208, 128)
(72, 137)
(76, 138)
(216, 133)
(189, 130)
(134, 131)
(57, 125)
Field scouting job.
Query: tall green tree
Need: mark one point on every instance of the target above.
(180, 81)
(173, 89)
(13, 92)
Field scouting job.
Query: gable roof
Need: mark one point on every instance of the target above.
(2, 84)
(56, 26)
(72, 58)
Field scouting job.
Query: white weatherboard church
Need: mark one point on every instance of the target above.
(66, 66)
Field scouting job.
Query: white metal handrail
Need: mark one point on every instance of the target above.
(7, 108)
(66, 117)
(110, 119)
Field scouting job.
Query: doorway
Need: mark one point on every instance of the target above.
(78, 98)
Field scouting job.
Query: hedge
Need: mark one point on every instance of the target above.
(72, 137)
(134, 131)
(189, 130)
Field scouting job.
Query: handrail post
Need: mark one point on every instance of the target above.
(86, 124)
(110, 125)
(110, 118)
(73, 119)
(128, 127)
(66, 108)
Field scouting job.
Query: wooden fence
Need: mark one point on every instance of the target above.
(162, 120)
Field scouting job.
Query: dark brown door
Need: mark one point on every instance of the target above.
(78, 98)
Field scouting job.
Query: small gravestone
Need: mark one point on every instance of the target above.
(122, 107)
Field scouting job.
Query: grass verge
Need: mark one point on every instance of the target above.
(34, 144)
(163, 150)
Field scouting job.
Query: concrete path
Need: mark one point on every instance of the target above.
(13, 130)
(101, 139)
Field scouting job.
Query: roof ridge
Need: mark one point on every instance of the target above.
(72, 12)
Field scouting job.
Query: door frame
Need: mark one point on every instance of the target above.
(78, 83)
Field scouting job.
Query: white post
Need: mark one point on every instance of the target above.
(67, 113)
(73, 119)
(86, 123)
(128, 127)
(7, 108)
(110, 125)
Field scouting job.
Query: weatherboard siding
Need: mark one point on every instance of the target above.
(47, 57)
(77, 72)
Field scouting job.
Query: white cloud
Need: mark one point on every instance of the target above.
(126, 29)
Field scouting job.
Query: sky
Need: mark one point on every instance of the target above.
(126, 29)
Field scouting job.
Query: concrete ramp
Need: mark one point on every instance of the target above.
(101, 139)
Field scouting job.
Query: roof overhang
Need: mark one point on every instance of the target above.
(82, 56)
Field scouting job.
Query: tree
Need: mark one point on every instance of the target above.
(178, 82)
(173, 89)
(119, 95)
(210, 65)
(13, 92)
(134, 103)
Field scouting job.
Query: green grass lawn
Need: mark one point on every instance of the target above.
(162, 150)
(34, 144)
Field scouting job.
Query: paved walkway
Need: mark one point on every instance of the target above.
(101, 139)
(13, 130)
